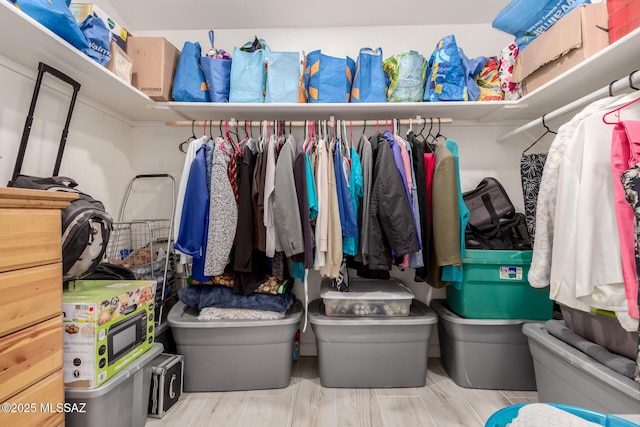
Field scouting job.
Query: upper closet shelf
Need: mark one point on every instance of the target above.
(26, 42)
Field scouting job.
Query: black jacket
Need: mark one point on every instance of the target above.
(391, 225)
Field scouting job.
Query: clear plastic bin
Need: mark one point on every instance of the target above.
(367, 298)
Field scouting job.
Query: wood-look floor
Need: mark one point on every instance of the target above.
(305, 403)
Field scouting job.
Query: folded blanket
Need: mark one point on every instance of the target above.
(213, 313)
(224, 297)
(620, 364)
(541, 414)
(271, 285)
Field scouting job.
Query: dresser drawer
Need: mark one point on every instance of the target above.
(46, 397)
(29, 296)
(29, 355)
(29, 237)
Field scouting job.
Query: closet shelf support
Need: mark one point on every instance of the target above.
(622, 83)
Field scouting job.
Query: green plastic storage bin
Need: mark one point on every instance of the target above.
(495, 286)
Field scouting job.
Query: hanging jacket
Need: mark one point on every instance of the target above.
(194, 224)
(391, 222)
(223, 213)
(286, 218)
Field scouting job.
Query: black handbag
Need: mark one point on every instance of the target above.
(488, 203)
(508, 234)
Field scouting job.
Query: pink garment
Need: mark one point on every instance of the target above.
(429, 168)
(406, 163)
(625, 153)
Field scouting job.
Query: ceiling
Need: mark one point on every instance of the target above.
(241, 14)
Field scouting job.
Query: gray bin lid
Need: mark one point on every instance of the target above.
(183, 316)
(420, 314)
(537, 333)
(113, 382)
(442, 309)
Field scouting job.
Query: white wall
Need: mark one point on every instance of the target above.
(98, 150)
(475, 40)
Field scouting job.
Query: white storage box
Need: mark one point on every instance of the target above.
(367, 298)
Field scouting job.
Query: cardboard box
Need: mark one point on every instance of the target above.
(80, 12)
(624, 17)
(107, 324)
(121, 64)
(574, 38)
(154, 64)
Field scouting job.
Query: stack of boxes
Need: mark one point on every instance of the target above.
(480, 324)
(108, 329)
(375, 335)
(147, 63)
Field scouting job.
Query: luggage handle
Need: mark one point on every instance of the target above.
(44, 68)
(172, 394)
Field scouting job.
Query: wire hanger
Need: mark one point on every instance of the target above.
(541, 136)
(616, 111)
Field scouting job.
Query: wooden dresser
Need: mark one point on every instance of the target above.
(31, 376)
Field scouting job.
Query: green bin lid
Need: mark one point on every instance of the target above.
(480, 256)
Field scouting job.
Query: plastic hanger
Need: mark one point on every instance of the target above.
(541, 136)
(188, 140)
(438, 134)
(616, 111)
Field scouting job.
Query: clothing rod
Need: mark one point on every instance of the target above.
(621, 83)
(302, 123)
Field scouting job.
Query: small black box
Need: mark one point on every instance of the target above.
(166, 383)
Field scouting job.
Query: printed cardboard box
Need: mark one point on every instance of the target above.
(107, 325)
(577, 36)
(80, 12)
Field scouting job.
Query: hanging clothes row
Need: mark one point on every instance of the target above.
(586, 243)
(324, 202)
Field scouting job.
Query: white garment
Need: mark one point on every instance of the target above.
(182, 188)
(586, 268)
(539, 272)
(269, 186)
(322, 221)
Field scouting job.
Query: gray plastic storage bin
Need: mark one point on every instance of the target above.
(121, 401)
(225, 355)
(566, 375)
(602, 330)
(481, 353)
(375, 352)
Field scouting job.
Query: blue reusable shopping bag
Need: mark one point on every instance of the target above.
(527, 19)
(328, 79)
(451, 75)
(217, 73)
(188, 83)
(283, 77)
(248, 73)
(99, 38)
(369, 82)
(56, 16)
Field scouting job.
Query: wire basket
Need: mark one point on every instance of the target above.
(144, 247)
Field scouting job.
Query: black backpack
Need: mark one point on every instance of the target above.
(86, 227)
